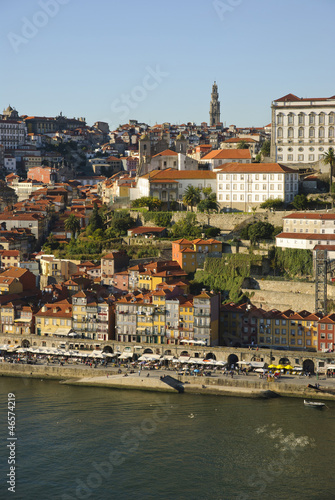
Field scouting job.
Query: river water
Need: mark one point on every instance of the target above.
(97, 443)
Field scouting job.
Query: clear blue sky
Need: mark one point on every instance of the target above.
(86, 58)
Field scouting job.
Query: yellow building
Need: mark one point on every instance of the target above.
(10, 285)
(186, 318)
(54, 319)
(288, 329)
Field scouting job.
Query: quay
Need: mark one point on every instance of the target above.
(149, 380)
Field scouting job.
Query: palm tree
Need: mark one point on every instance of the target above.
(72, 223)
(329, 159)
(192, 196)
(242, 144)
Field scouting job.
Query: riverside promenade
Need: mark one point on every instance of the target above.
(149, 380)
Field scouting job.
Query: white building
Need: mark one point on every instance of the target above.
(305, 230)
(171, 159)
(302, 128)
(12, 133)
(243, 186)
(10, 163)
(171, 184)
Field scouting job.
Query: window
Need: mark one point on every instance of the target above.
(271, 187)
(300, 157)
(264, 187)
(242, 197)
(280, 132)
(289, 157)
(290, 119)
(311, 157)
(301, 132)
(234, 186)
(280, 119)
(311, 132)
(331, 118)
(256, 187)
(331, 132)
(321, 132)
(311, 118)
(321, 119)
(301, 119)
(227, 177)
(228, 187)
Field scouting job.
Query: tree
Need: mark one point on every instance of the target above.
(329, 159)
(72, 223)
(95, 221)
(186, 227)
(260, 231)
(266, 148)
(192, 196)
(242, 144)
(300, 202)
(120, 222)
(209, 203)
(275, 204)
(147, 201)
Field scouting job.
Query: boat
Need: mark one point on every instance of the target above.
(314, 404)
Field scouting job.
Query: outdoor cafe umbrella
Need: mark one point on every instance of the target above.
(272, 367)
(288, 367)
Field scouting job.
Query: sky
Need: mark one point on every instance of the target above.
(155, 62)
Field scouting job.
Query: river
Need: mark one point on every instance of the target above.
(97, 443)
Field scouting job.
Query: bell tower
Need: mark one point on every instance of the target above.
(214, 107)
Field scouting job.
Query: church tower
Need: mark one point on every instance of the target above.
(214, 108)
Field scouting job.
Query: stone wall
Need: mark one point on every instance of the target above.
(226, 222)
(285, 294)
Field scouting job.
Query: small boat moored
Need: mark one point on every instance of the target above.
(314, 404)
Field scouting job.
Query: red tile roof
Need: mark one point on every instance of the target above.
(254, 168)
(306, 236)
(310, 216)
(227, 154)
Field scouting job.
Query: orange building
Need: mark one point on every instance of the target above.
(191, 254)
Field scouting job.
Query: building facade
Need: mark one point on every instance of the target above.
(302, 128)
(242, 186)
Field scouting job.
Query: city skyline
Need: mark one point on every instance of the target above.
(156, 64)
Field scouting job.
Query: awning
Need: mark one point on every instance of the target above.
(257, 364)
(149, 357)
(183, 359)
(195, 361)
(64, 332)
(168, 357)
(331, 367)
(126, 355)
(244, 363)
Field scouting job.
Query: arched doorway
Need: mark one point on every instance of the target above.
(308, 366)
(108, 349)
(148, 351)
(232, 360)
(210, 355)
(284, 361)
(168, 352)
(184, 353)
(25, 343)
